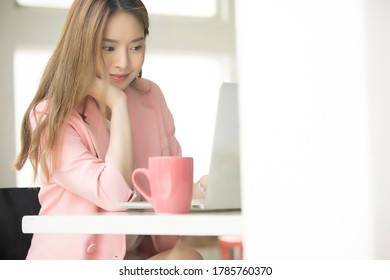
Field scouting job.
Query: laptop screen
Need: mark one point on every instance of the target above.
(223, 190)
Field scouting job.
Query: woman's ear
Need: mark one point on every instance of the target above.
(140, 74)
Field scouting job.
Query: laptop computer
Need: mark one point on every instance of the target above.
(223, 187)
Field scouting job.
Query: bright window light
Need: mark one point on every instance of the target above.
(26, 80)
(58, 4)
(190, 83)
(198, 8)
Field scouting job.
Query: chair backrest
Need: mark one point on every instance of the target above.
(14, 204)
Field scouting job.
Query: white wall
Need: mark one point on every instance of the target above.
(313, 93)
(378, 43)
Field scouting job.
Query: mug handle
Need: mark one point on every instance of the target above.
(140, 171)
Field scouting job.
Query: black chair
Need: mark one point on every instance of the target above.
(14, 204)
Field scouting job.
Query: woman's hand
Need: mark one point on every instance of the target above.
(200, 188)
(120, 147)
(113, 94)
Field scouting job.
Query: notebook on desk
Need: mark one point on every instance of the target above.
(223, 188)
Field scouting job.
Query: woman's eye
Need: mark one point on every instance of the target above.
(108, 49)
(136, 48)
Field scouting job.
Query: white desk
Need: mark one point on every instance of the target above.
(136, 222)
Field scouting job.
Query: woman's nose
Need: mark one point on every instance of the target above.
(122, 59)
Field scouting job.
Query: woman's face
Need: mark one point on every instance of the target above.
(123, 48)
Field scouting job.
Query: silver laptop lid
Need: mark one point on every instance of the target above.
(223, 190)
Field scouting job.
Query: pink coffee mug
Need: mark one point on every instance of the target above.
(170, 183)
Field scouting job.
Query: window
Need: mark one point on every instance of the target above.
(198, 8)
(26, 79)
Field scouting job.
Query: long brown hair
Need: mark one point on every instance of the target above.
(68, 77)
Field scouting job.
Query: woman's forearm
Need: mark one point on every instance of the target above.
(120, 149)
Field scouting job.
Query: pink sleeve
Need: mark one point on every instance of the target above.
(88, 176)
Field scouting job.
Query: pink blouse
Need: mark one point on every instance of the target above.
(84, 184)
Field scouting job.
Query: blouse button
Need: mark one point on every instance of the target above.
(91, 248)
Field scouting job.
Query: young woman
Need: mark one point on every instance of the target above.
(92, 120)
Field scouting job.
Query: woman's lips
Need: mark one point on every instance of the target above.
(119, 77)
